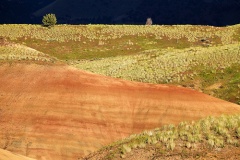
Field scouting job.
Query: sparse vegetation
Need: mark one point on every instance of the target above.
(207, 134)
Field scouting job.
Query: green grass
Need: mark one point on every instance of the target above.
(206, 134)
(227, 81)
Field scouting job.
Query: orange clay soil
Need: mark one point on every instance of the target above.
(61, 113)
(6, 155)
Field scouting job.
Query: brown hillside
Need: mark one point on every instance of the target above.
(58, 112)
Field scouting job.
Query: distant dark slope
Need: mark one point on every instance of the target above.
(210, 12)
(20, 11)
(205, 12)
(89, 11)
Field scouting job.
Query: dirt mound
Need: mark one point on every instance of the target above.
(6, 155)
(58, 112)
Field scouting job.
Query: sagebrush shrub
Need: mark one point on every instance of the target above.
(49, 20)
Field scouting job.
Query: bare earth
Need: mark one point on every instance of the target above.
(6, 155)
(60, 113)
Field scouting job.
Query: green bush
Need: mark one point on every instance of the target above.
(49, 20)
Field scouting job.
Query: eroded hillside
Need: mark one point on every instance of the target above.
(50, 110)
(55, 112)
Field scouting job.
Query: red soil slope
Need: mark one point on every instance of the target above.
(58, 112)
(6, 155)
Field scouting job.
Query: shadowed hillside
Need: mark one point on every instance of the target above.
(204, 12)
(20, 11)
(90, 11)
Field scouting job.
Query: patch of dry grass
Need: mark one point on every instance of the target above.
(212, 133)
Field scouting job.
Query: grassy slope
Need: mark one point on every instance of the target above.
(101, 41)
(186, 140)
(155, 54)
(198, 68)
(16, 52)
(224, 83)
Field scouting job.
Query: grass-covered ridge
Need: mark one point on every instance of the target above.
(69, 42)
(196, 138)
(170, 65)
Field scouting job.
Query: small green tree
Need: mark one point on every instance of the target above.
(49, 20)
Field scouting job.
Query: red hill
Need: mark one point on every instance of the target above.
(58, 112)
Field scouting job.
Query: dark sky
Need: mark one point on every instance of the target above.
(203, 12)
